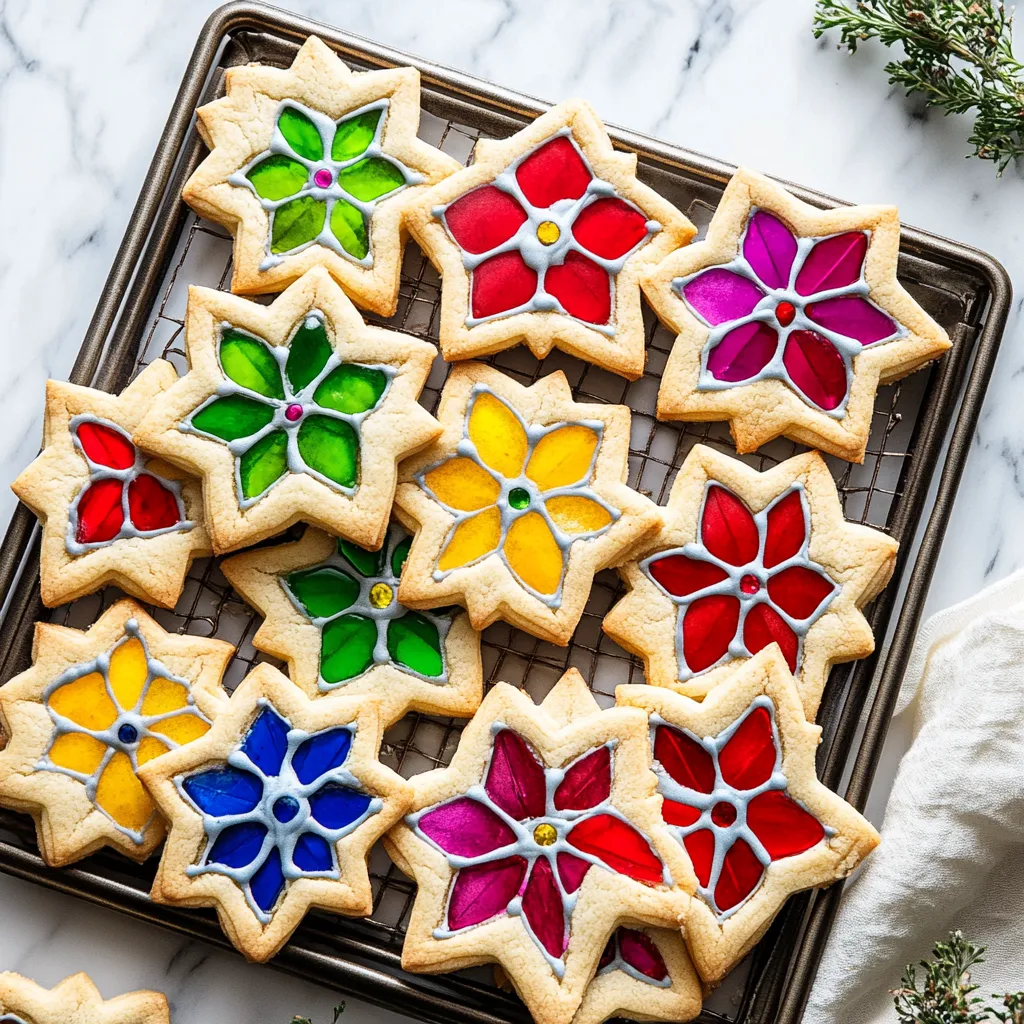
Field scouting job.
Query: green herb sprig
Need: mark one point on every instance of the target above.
(945, 994)
(338, 1011)
(957, 54)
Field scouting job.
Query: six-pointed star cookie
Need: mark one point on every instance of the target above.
(541, 240)
(275, 810)
(315, 165)
(332, 611)
(93, 708)
(741, 795)
(540, 837)
(76, 1000)
(644, 974)
(519, 502)
(293, 411)
(110, 514)
(746, 559)
(788, 319)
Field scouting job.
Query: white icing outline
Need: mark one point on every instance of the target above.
(330, 195)
(279, 420)
(109, 737)
(280, 835)
(97, 471)
(538, 498)
(617, 963)
(538, 256)
(362, 606)
(524, 846)
(731, 584)
(726, 835)
(764, 312)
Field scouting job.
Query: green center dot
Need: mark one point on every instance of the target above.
(519, 497)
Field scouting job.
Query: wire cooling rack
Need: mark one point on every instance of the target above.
(886, 491)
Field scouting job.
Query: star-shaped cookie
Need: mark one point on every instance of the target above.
(643, 974)
(275, 810)
(745, 559)
(541, 241)
(293, 411)
(93, 708)
(535, 843)
(741, 795)
(519, 503)
(76, 1000)
(110, 513)
(788, 319)
(315, 165)
(332, 612)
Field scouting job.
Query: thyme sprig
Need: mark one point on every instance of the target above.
(957, 54)
(338, 1011)
(944, 992)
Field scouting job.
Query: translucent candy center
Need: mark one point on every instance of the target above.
(127, 734)
(544, 834)
(548, 233)
(381, 595)
(285, 809)
(784, 313)
(723, 814)
(519, 497)
(750, 584)
(323, 178)
(293, 412)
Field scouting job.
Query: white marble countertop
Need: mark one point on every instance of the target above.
(85, 86)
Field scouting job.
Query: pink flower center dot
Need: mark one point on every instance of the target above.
(723, 814)
(784, 313)
(293, 412)
(750, 584)
(323, 178)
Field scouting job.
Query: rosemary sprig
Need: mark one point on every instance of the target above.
(957, 54)
(946, 994)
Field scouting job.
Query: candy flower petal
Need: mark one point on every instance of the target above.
(719, 295)
(483, 219)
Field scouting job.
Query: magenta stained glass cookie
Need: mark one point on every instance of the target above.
(788, 319)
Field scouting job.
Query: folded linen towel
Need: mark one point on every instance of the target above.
(952, 852)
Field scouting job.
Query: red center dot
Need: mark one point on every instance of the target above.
(293, 412)
(784, 313)
(750, 584)
(723, 814)
(323, 178)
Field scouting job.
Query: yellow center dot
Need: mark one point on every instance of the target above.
(548, 232)
(381, 595)
(544, 834)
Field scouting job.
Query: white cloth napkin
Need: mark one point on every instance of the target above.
(952, 851)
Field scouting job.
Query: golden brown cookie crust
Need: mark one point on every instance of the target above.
(395, 428)
(718, 945)
(289, 634)
(623, 350)
(76, 1000)
(240, 126)
(69, 823)
(565, 726)
(487, 586)
(765, 409)
(150, 568)
(350, 893)
(858, 560)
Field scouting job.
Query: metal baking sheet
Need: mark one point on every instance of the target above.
(920, 434)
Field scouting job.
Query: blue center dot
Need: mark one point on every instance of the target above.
(285, 809)
(127, 733)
